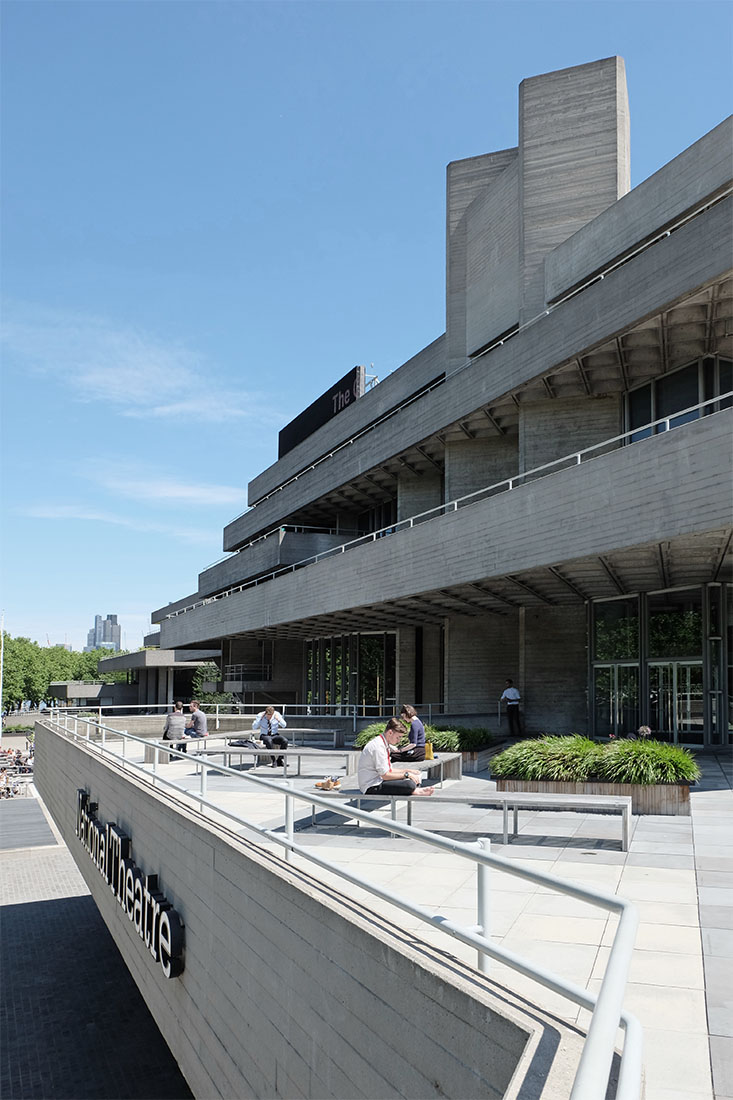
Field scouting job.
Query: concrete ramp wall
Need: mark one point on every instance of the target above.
(288, 989)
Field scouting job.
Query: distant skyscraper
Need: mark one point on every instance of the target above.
(105, 634)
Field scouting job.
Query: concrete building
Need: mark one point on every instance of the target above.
(544, 491)
(105, 634)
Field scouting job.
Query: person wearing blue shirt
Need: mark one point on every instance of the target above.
(415, 747)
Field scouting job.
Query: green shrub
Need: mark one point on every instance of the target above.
(443, 738)
(467, 739)
(17, 729)
(560, 759)
(578, 759)
(647, 762)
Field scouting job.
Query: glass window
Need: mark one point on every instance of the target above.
(616, 630)
(640, 411)
(675, 624)
(725, 381)
(678, 391)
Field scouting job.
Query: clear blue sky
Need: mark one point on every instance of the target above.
(213, 210)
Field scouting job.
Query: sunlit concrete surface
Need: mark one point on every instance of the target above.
(678, 871)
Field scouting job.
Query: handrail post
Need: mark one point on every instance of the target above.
(202, 787)
(483, 900)
(155, 758)
(102, 731)
(216, 726)
(289, 820)
(124, 743)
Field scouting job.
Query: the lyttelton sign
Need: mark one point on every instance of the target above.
(156, 922)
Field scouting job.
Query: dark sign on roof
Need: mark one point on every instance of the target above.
(342, 394)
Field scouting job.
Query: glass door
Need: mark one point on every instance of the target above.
(616, 700)
(677, 701)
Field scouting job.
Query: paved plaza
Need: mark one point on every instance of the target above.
(73, 1025)
(678, 871)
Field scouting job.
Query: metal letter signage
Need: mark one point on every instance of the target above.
(156, 923)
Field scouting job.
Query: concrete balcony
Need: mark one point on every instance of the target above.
(670, 488)
(692, 257)
(281, 548)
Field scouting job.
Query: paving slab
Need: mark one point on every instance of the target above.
(65, 990)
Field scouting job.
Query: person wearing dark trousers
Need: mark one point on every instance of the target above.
(267, 724)
(415, 747)
(375, 773)
(175, 726)
(196, 725)
(511, 697)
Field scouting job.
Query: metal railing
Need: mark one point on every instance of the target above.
(606, 1008)
(350, 712)
(281, 529)
(247, 672)
(634, 437)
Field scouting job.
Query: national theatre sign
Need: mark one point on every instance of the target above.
(156, 922)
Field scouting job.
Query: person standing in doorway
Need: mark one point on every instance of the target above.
(511, 697)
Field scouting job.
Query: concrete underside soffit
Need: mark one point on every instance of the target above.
(700, 324)
(677, 563)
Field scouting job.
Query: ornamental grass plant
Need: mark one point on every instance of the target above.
(443, 738)
(576, 759)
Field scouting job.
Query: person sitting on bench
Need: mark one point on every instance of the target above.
(376, 775)
(415, 747)
(175, 725)
(267, 724)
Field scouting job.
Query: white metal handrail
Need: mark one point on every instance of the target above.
(607, 1013)
(655, 427)
(352, 712)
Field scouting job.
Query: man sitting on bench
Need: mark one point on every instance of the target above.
(267, 725)
(376, 775)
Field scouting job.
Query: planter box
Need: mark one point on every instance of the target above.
(659, 798)
(477, 761)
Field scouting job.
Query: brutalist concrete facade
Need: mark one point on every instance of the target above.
(578, 313)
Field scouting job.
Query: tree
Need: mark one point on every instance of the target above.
(208, 673)
(29, 669)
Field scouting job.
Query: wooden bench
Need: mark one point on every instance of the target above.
(506, 800)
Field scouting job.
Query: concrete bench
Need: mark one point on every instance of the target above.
(444, 765)
(292, 733)
(506, 800)
(227, 752)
